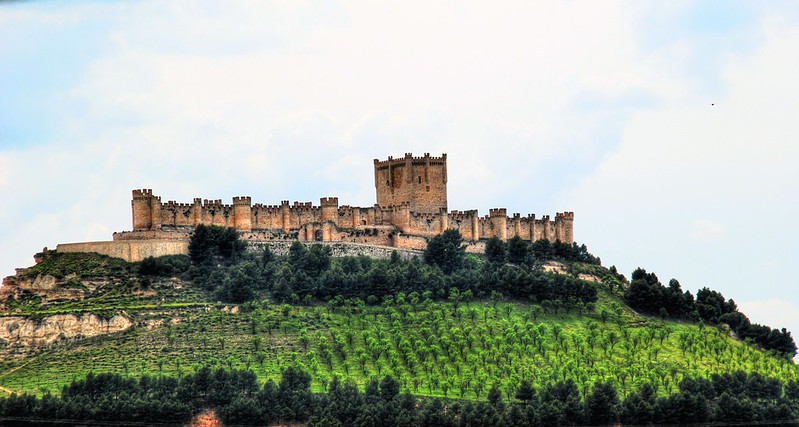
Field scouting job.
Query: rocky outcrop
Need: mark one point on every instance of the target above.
(46, 286)
(27, 332)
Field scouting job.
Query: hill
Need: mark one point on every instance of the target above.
(513, 319)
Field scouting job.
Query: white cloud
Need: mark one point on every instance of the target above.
(704, 229)
(487, 84)
(702, 192)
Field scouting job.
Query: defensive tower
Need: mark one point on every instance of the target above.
(329, 209)
(421, 182)
(146, 210)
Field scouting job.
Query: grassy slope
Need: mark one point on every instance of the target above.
(431, 348)
(499, 345)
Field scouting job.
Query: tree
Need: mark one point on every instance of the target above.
(495, 251)
(525, 393)
(446, 251)
(211, 241)
(317, 260)
(601, 405)
(640, 406)
(711, 305)
(389, 388)
(237, 285)
(495, 396)
(518, 251)
(295, 394)
(535, 311)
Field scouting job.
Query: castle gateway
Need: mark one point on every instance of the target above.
(411, 206)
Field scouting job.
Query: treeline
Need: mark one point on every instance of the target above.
(648, 295)
(219, 264)
(518, 251)
(239, 399)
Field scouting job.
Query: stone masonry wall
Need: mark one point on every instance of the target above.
(340, 249)
(129, 250)
(411, 194)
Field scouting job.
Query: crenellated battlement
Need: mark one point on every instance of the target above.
(328, 201)
(175, 205)
(463, 215)
(262, 206)
(410, 157)
(424, 216)
(564, 215)
(411, 199)
(242, 200)
(143, 194)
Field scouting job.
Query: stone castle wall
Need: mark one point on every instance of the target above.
(341, 249)
(129, 250)
(411, 195)
(138, 250)
(324, 222)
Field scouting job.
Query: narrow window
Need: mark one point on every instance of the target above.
(420, 179)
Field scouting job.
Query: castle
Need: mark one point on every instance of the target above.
(411, 207)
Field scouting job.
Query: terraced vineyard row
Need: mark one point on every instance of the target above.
(450, 349)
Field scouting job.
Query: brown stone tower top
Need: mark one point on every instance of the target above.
(419, 182)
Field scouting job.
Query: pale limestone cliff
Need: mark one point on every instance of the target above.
(38, 332)
(47, 287)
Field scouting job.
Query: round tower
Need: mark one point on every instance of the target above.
(242, 213)
(142, 209)
(284, 216)
(444, 220)
(564, 227)
(475, 221)
(499, 220)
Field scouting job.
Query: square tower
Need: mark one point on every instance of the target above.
(421, 182)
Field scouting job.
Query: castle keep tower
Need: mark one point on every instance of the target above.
(146, 210)
(419, 182)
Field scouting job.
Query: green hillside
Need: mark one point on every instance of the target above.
(455, 342)
(432, 350)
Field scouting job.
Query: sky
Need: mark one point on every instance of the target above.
(669, 128)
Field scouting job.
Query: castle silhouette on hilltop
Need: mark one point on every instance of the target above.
(411, 207)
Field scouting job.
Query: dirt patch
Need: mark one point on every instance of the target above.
(555, 267)
(206, 419)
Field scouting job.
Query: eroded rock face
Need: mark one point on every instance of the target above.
(46, 286)
(43, 283)
(38, 332)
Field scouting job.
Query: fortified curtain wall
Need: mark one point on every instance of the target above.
(411, 195)
(330, 222)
